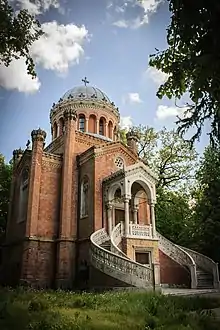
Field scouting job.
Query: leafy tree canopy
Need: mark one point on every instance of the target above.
(192, 63)
(207, 207)
(168, 155)
(17, 33)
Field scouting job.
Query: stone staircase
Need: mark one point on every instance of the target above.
(123, 269)
(204, 279)
(107, 257)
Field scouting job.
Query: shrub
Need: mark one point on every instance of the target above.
(37, 305)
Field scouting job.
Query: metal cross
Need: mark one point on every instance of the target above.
(85, 81)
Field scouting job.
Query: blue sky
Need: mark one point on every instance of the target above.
(107, 41)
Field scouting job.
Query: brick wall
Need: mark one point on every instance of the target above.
(172, 273)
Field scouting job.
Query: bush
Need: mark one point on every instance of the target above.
(37, 305)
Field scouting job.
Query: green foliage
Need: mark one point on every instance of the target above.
(168, 155)
(173, 215)
(110, 310)
(207, 209)
(17, 33)
(5, 181)
(192, 63)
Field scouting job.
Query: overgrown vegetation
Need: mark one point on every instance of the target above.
(192, 63)
(41, 310)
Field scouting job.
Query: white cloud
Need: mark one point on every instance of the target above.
(36, 7)
(159, 77)
(15, 77)
(134, 98)
(58, 49)
(148, 8)
(126, 122)
(60, 46)
(121, 23)
(164, 112)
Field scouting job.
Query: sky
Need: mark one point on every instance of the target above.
(109, 42)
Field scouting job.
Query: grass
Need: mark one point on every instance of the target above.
(24, 309)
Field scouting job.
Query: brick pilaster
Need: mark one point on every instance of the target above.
(38, 138)
(67, 229)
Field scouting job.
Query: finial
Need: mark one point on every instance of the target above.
(85, 81)
(28, 145)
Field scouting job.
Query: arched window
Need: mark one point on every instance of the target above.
(84, 198)
(61, 126)
(55, 130)
(23, 195)
(101, 126)
(82, 123)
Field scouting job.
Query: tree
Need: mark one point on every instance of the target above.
(173, 214)
(207, 208)
(5, 181)
(17, 33)
(168, 155)
(192, 63)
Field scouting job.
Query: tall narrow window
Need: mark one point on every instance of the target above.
(101, 127)
(84, 197)
(23, 195)
(82, 123)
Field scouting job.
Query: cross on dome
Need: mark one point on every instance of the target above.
(85, 81)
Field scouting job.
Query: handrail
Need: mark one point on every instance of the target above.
(117, 234)
(205, 263)
(179, 255)
(123, 269)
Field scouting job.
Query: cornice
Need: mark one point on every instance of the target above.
(86, 103)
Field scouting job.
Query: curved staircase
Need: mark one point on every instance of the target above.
(117, 266)
(107, 257)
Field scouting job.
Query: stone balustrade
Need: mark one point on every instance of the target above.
(116, 239)
(140, 231)
(125, 270)
(179, 255)
(205, 263)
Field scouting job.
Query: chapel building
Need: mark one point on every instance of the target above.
(87, 199)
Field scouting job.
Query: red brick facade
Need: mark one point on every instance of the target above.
(45, 247)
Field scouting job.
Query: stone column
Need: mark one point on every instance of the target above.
(112, 133)
(106, 130)
(152, 214)
(126, 207)
(97, 126)
(113, 216)
(38, 138)
(87, 125)
(135, 214)
(109, 218)
(58, 129)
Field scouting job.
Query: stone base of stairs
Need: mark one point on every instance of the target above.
(189, 292)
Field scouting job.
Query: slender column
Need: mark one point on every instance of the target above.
(152, 213)
(135, 215)
(106, 129)
(87, 125)
(109, 218)
(112, 133)
(126, 207)
(58, 129)
(97, 126)
(113, 216)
